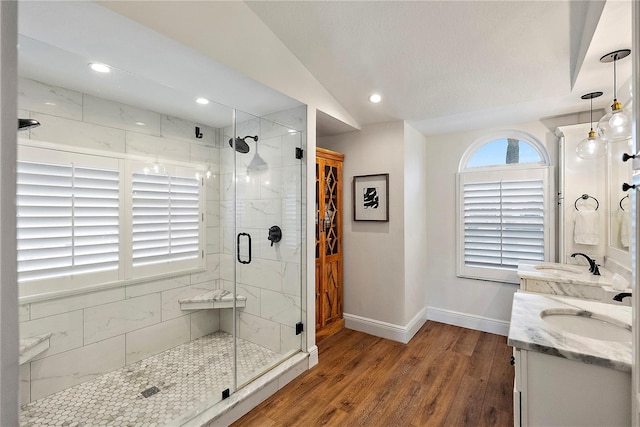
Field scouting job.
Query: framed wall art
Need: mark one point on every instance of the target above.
(371, 197)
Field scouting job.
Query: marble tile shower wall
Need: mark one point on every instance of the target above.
(272, 281)
(98, 332)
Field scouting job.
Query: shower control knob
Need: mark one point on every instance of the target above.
(627, 187)
(275, 234)
(626, 156)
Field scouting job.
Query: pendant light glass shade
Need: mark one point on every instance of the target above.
(616, 125)
(593, 146)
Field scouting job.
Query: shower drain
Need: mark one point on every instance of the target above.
(150, 391)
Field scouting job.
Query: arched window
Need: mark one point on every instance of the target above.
(506, 148)
(505, 211)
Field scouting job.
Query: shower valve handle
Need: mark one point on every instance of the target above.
(275, 234)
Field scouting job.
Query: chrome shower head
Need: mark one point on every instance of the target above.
(25, 124)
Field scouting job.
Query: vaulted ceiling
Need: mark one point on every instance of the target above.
(450, 65)
(443, 66)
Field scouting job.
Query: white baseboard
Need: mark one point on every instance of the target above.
(386, 330)
(313, 356)
(470, 321)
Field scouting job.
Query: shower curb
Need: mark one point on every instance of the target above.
(244, 400)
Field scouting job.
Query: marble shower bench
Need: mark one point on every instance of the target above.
(33, 346)
(218, 298)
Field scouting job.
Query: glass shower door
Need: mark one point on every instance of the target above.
(268, 237)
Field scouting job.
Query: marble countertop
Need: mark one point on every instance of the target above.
(529, 331)
(579, 275)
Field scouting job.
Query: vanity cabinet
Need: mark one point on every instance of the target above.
(554, 391)
(329, 288)
(572, 361)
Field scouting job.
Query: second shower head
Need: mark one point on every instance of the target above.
(24, 124)
(241, 145)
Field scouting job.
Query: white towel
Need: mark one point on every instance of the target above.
(586, 228)
(625, 228)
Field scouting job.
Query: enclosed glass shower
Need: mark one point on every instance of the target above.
(160, 245)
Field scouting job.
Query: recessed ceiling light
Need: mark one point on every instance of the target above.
(375, 98)
(140, 123)
(100, 68)
(203, 101)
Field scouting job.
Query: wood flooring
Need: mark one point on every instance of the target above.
(446, 376)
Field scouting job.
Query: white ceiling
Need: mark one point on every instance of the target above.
(452, 65)
(443, 66)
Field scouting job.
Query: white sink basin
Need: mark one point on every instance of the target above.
(559, 268)
(587, 324)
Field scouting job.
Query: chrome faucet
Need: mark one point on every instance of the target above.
(593, 267)
(621, 296)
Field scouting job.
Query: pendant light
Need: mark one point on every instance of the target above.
(593, 146)
(616, 125)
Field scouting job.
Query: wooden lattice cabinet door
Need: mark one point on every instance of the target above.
(329, 286)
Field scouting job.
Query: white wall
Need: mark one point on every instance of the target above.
(374, 266)
(415, 221)
(447, 294)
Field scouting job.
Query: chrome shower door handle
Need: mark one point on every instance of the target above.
(238, 248)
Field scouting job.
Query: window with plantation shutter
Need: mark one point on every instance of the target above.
(166, 218)
(67, 218)
(87, 219)
(503, 223)
(505, 216)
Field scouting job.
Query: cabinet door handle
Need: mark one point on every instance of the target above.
(626, 156)
(512, 360)
(238, 248)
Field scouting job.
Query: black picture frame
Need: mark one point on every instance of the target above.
(371, 197)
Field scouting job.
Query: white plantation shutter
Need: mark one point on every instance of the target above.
(504, 218)
(67, 219)
(503, 223)
(76, 228)
(166, 218)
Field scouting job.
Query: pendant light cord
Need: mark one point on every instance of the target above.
(591, 113)
(615, 91)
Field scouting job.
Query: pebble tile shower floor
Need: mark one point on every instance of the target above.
(185, 377)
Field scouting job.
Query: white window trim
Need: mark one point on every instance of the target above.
(38, 290)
